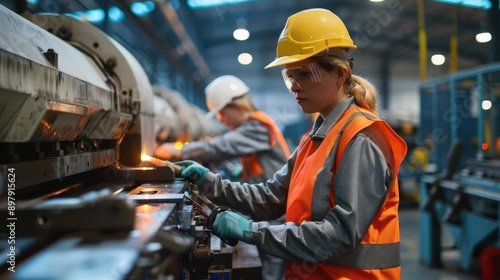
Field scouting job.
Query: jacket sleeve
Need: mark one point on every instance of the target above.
(263, 201)
(250, 137)
(360, 190)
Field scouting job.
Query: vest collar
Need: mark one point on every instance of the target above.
(321, 126)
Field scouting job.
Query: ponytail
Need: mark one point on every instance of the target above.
(365, 94)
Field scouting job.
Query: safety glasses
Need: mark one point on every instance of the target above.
(304, 77)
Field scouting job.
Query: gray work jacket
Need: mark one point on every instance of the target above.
(361, 184)
(252, 137)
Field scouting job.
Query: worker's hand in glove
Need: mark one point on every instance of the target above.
(167, 151)
(192, 171)
(231, 225)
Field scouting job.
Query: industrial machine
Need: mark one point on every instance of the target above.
(80, 198)
(181, 121)
(461, 113)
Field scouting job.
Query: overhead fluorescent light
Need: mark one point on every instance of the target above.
(480, 4)
(95, 16)
(142, 8)
(115, 14)
(199, 4)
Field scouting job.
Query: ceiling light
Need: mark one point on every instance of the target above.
(376, 0)
(483, 37)
(438, 59)
(95, 16)
(115, 14)
(481, 4)
(245, 58)
(198, 4)
(241, 34)
(141, 9)
(486, 105)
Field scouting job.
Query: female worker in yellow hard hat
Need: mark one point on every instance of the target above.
(339, 188)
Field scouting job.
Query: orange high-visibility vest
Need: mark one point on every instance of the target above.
(384, 229)
(250, 163)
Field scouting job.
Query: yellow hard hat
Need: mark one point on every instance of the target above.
(309, 32)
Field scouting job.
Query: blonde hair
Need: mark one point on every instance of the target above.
(244, 102)
(365, 94)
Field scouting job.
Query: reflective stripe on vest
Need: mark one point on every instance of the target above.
(250, 163)
(379, 248)
(372, 256)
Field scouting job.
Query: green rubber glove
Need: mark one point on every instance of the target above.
(229, 224)
(192, 171)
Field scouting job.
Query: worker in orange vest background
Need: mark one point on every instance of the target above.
(253, 138)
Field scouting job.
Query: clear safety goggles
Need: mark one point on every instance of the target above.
(304, 77)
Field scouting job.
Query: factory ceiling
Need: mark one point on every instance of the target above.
(193, 40)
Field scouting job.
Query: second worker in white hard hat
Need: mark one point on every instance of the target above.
(253, 138)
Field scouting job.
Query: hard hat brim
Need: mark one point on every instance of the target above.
(210, 114)
(214, 111)
(287, 60)
(284, 60)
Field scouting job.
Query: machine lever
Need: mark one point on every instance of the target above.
(196, 204)
(458, 203)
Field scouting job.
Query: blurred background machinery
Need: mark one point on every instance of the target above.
(463, 198)
(180, 121)
(79, 195)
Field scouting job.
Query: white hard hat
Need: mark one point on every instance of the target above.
(221, 92)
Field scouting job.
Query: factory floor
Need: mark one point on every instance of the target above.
(412, 268)
(247, 256)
